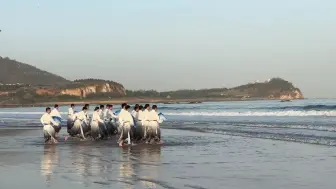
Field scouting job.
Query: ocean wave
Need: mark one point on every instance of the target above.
(318, 107)
(252, 113)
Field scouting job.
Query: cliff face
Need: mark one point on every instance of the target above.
(295, 94)
(94, 89)
(85, 90)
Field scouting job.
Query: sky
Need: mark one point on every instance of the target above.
(176, 44)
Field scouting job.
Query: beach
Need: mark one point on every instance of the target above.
(210, 145)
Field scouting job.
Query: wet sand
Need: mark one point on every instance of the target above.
(187, 160)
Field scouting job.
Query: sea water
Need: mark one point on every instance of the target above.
(245, 144)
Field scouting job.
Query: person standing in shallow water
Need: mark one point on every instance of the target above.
(127, 122)
(155, 122)
(71, 111)
(48, 129)
(145, 120)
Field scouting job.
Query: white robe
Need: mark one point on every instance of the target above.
(138, 118)
(145, 116)
(104, 116)
(78, 127)
(101, 113)
(82, 116)
(55, 112)
(154, 121)
(46, 119)
(153, 117)
(110, 114)
(134, 113)
(47, 122)
(125, 118)
(121, 114)
(71, 114)
(95, 122)
(96, 118)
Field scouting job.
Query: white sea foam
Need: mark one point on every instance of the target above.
(252, 113)
(29, 113)
(222, 113)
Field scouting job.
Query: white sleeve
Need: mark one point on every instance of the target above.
(42, 120)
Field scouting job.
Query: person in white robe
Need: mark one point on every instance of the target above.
(55, 113)
(48, 129)
(126, 122)
(110, 120)
(71, 112)
(121, 113)
(145, 120)
(96, 121)
(80, 120)
(154, 123)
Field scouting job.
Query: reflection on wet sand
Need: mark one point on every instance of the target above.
(125, 168)
(81, 162)
(49, 161)
(128, 167)
(146, 164)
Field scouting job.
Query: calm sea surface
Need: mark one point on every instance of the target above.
(256, 144)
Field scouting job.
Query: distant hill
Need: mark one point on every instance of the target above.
(13, 72)
(24, 84)
(275, 88)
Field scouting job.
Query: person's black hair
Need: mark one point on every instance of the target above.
(136, 107)
(123, 105)
(84, 108)
(101, 106)
(154, 107)
(96, 108)
(47, 109)
(146, 106)
(56, 106)
(127, 107)
(141, 107)
(72, 105)
(108, 105)
(86, 105)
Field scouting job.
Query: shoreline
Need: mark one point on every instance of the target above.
(137, 100)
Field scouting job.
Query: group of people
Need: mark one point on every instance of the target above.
(139, 125)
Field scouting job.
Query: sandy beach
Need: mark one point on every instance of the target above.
(187, 160)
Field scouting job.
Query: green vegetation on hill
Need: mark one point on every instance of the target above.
(274, 87)
(96, 81)
(13, 72)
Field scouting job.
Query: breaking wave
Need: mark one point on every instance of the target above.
(253, 113)
(318, 107)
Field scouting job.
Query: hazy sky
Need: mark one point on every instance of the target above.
(174, 44)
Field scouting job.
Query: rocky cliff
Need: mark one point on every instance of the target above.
(90, 89)
(83, 89)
